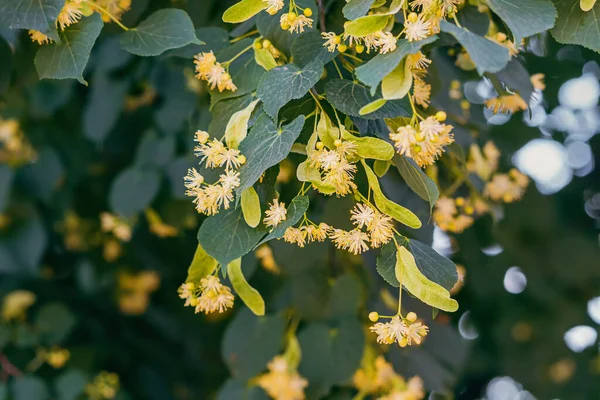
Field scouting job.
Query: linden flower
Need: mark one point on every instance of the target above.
(449, 6)
(193, 179)
(427, 144)
(431, 128)
(273, 6)
(316, 233)
(281, 383)
(211, 152)
(230, 179)
(424, 4)
(484, 161)
(295, 235)
(507, 187)
(381, 230)
(57, 357)
(390, 332)
(209, 70)
(331, 40)
(404, 138)
(204, 62)
(215, 296)
(16, 303)
(417, 30)
(386, 42)
(298, 24)
(69, 14)
(275, 214)
(362, 215)
(447, 217)
(510, 103)
(421, 92)
(354, 241)
(415, 333)
(413, 390)
(230, 158)
(417, 61)
(39, 37)
(116, 8)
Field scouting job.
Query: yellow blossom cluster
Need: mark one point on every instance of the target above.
(507, 187)
(377, 377)
(213, 72)
(265, 255)
(425, 142)
(293, 21)
(425, 19)
(282, 382)
(276, 214)
(56, 357)
(16, 303)
(383, 42)
(307, 234)
(157, 226)
(454, 215)
(14, 147)
(209, 198)
(418, 64)
(404, 331)
(112, 9)
(135, 290)
(334, 165)
(104, 386)
(119, 228)
(209, 296)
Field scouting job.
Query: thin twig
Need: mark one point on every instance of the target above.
(321, 15)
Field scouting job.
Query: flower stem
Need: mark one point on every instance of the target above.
(105, 11)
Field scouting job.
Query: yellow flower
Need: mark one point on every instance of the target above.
(417, 61)
(447, 216)
(69, 14)
(331, 40)
(510, 103)
(417, 30)
(389, 332)
(265, 255)
(193, 179)
(354, 241)
(281, 382)
(273, 6)
(483, 163)
(115, 225)
(507, 187)
(39, 37)
(424, 4)
(386, 42)
(421, 92)
(362, 215)
(104, 386)
(275, 214)
(57, 357)
(295, 235)
(16, 303)
(316, 233)
(209, 297)
(381, 230)
(298, 24)
(537, 80)
(116, 8)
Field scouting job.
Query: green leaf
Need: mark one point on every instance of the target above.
(575, 26)
(68, 59)
(265, 59)
(54, 322)
(419, 286)
(154, 150)
(487, 55)
(372, 107)
(587, 5)
(266, 146)
(31, 14)
(326, 132)
(103, 107)
(250, 342)
(282, 84)
(6, 56)
(381, 167)
(295, 211)
(349, 98)
(133, 190)
(202, 265)
(70, 384)
(367, 25)
(243, 11)
(250, 296)
(330, 355)
(163, 30)
(357, 8)
(434, 266)
(417, 180)
(525, 17)
(6, 179)
(237, 127)
(226, 236)
(308, 47)
(387, 206)
(251, 207)
(373, 72)
(386, 263)
(397, 83)
(236, 389)
(29, 387)
(370, 147)
(214, 39)
(223, 110)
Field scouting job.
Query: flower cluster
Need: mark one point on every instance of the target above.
(209, 198)
(307, 234)
(456, 215)
(275, 214)
(208, 297)
(213, 72)
(383, 42)
(56, 357)
(265, 255)
(295, 22)
(282, 382)
(115, 225)
(507, 187)
(104, 386)
(336, 169)
(404, 331)
(418, 65)
(379, 230)
(112, 9)
(273, 6)
(135, 290)
(14, 147)
(378, 377)
(425, 142)
(16, 303)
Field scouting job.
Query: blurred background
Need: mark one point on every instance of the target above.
(95, 294)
